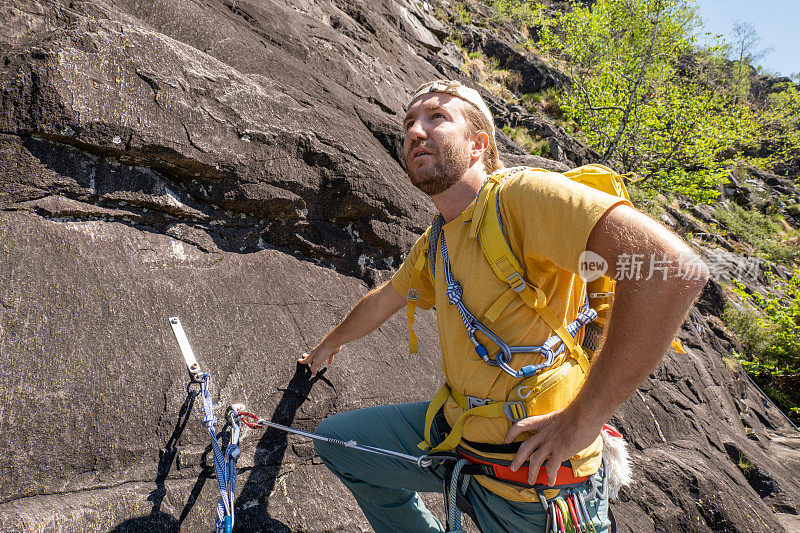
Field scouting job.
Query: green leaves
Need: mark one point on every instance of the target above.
(780, 127)
(625, 57)
(769, 329)
(647, 96)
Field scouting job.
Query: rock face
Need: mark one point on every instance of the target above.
(536, 76)
(238, 164)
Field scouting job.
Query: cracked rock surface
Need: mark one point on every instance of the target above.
(237, 164)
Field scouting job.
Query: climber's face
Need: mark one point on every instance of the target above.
(437, 142)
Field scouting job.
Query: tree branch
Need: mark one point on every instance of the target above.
(632, 99)
(589, 100)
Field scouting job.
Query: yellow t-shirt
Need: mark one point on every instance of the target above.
(547, 219)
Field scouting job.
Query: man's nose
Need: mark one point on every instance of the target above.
(416, 131)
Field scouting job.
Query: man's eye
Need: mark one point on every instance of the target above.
(437, 115)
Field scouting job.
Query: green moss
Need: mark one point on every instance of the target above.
(765, 233)
(521, 137)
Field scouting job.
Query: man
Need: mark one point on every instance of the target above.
(549, 221)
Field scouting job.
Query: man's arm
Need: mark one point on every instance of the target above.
(646, 315)
(369, 313)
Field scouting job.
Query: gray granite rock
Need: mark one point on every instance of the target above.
(238, 164)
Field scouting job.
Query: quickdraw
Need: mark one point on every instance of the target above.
(224, 464)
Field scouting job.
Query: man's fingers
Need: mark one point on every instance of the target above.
(315, 366)
(536, 463)
(520, 426)
(525, 449)
(552, 466)
(304, 358)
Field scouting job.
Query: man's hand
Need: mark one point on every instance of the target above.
(369, 313)
(559, 435)
(320, 354)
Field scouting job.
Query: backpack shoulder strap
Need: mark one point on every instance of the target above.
(508, 269)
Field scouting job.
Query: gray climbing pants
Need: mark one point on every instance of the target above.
(387, 489)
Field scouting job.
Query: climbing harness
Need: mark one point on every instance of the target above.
(567, 511)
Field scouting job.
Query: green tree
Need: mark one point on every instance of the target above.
(780, 128)
(637, 97)
(744, 51)
(645, 95)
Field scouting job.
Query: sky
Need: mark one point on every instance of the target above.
(776, 21)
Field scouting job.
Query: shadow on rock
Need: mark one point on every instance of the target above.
(161, 522)
(157, 520)
(252, 506)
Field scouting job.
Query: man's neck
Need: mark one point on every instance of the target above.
(452, 202)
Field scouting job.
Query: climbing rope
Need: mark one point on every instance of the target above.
(453, 512)
(224, 464)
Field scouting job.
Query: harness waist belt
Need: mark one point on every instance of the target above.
(501, 470)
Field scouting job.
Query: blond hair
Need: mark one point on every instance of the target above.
(477, 121)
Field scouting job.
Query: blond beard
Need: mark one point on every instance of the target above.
(451, 162)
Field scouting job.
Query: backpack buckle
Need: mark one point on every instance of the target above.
(412, 294)
(473, 401)
(515, 411)
(516, 282)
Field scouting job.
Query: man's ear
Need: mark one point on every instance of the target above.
(479, 144)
